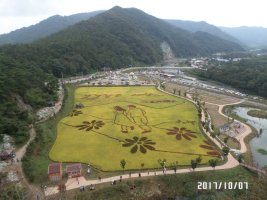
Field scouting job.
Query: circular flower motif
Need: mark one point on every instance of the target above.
(211, 150)
(181, 132)
(76, 113)
(139, 143)
(90, 125)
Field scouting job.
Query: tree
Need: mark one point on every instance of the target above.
(179, 92)
(142, 165)
(240, 158)
(199, 159)
(123, 163)
(225, 139)
(174, 90)
(213, 163)
(213, 134)
(194, 164)
(162, 162)
(225, 150)
(174, 166)
(199, 112)
(185, 94)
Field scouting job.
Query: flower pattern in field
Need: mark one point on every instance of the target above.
(181, 132)
(208, 145)
(88, 126)
(143, 144)
(76, 112)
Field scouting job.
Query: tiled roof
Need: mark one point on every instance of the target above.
(4, 153)
(73, 168)
(54, 168)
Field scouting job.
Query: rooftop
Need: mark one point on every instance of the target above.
(54, 168)
(73, 167)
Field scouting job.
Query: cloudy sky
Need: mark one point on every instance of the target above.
(16, 14)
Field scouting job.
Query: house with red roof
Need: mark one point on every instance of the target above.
(54, 172)
(74, 170)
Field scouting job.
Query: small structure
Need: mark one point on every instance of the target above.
(54, 171)
(224, 128)
(74, 170)
(4, 155)
(79, 105)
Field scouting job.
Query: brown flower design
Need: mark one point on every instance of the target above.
(208, 145)
(76, 112)
(181, 132)
(88, 126)
(142, 144)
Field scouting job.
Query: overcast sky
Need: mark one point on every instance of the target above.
(16, 14)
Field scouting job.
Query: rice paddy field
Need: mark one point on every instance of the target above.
(138, 124)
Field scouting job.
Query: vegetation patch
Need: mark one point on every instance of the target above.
(257, 113)
(126, 123)
(179, 186)
(262, 151)
(35, 161)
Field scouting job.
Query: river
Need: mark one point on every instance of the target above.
(257, 142)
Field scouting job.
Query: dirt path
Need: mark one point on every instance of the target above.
(34, 191)
(240, 137)
(231, 161)
(20, 152)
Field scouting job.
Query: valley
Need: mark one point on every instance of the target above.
(119, 104)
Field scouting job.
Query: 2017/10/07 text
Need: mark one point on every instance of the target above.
(222, 185)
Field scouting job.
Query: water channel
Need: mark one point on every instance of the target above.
(257, 142)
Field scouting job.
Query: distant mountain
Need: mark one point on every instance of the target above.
(115, 38)
(44, 28)
(202, 26)
(253, 37)
(135, 34)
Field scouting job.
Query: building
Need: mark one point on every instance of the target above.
(74, 170)
(4, 155)
(54, 172)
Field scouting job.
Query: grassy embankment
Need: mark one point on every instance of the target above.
(258, 113)
(35, 161)
(170, 186)
(228, 110)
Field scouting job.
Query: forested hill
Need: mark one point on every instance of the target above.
(22, 84)
(141, 34)
(44, 28)
(249, 75)
(202, 26)
(115, 38)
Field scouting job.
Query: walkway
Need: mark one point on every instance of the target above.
(241, 136)
(231, 161)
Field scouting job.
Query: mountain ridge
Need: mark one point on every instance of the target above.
(44, 28)
(136, 35)
(195, 26)
(253, 37)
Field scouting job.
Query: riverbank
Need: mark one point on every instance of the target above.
(257, 113)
